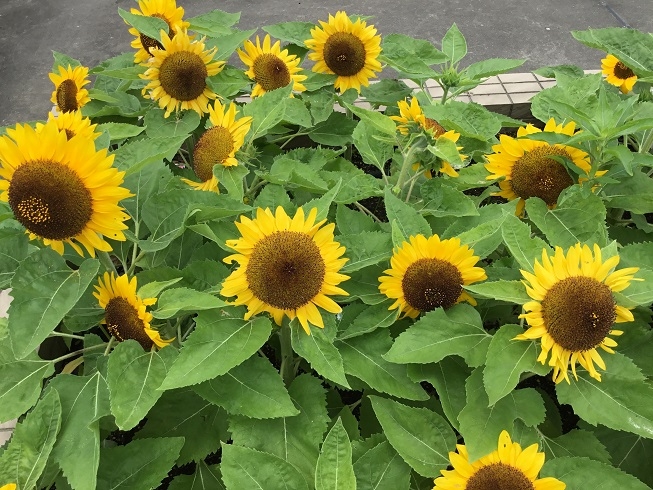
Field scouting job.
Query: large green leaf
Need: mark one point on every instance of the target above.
(629, 452)
(133, 157)
(206, 477)
(469, 119)
(145, 24)
(576, 443)
(159, 126)
(215, 20)
(178, 301)
(364, 249)
(524, 247)
(335, 131)
(293, 32)
(443, 200)
(44, 290)
(381, 468)
(266, 111)
(584, 473)
(493, 66)
(410, 222)
(377, 316)
(422, 437)
(13, 249)
(334, 470)
(373, 148)
(454, 45)
(634, 194)
(510, 291)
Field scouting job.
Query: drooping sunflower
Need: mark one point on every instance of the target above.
(618, 74)
(270, 67)
(165, 10)
(218, 145)
(69, 92)
(62, 190)
(347, 49)
(73, 124)
(178, 72)
(509, 467)
(286, 266)
(429, 273)
(126, 315)
(573, 308)
(412, 117)
(527, 168)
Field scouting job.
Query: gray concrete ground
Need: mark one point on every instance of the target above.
(91, 31)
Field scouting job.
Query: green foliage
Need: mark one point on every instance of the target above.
(334, 470)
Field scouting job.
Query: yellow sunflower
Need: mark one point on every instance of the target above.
(73, 124)
(509, 467)
(178, 72)
(8, 486)
(270, 67)
(347, 49)
(218, 145)
(527, 168)
(62, 190)
(412, 117)
(618, 74)
(69, 92)
(429, 273)
(126, 315)
(165, 10)
(286, 266)
(573, 308)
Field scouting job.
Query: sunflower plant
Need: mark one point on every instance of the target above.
(240, 259)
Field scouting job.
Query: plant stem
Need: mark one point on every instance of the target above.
(66, 335)
(76, 353)
(191, 327)
(408, 162)
(647, 142)
(105, 260)
(367, 211)
(349, 150)
(109, 344)
(445, 93)
(287, 359)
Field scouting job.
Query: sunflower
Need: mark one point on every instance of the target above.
(618, 74)
(287, 266)
(178, 72)
(347, 49)
(165, 10)
(509, 467)
(73, 123)
(218, 145)
(429, 273)
(528, 169)
(412, 117)
(270, 67)
(125, 312)
(69, 92)
(62, 190)
(8, 486)
(573, 308)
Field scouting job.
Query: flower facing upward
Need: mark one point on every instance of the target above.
(270, 67)
(126, 314)
(507, 468)
(167, 11)
(62, 190)
(177, 74)
(73, 124)
(286, 266)
(429, 273)
(412, 117)
(618, 74)
(528, 169)
(347, 49)
(573, 309)
(218, 145)
(69, 92)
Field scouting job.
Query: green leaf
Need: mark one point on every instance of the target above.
(132, 157)
(377, 316)
(61, 59)
(397, 53)
(507, 359)
(381, 468)
(217, 345)
(13, 249)
(44, 290)
(229, 82)
(266, 111)
(296, 112)
(634, 194)
(510, 291)
(454, 45)
(293, 32)
(387, 91)
(484, 238)
(318, 349)
(293, 439)
(443, 200)
(523, 247)
(365, 249)
(576, 443)
(120, 131)
(631, 453)
(26, 455)
(320, 103)
(84, 401)
(228, 43)
(481, 424)
(253, 389)
(335, 470)
(490, 67)
(374, 149)
(244, 467)
(422, 437)
(215, 20)
(363, 358)
(142, 463)
(469, 119)
(335, 131)
(178, 124)
(583, 473)
(133, 377)
(272, 196)
(205, 478)
(154, 288)
(177, 301)
(148, 25)
(410, 221)
(373, 119)
(441, 333)
(287, 170)
(421, 48)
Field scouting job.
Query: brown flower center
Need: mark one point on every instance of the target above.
(148, 43)
(537, 175)
(344, 54)
(431, 283)
(183, 75)
(213, 148)
(270, 72)
(124, 323)
(434, 126)
(622, 72)
(67, 96)
(69, 133)
(578, 312)
(499, 476)
(286, 270)
(50, 200)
